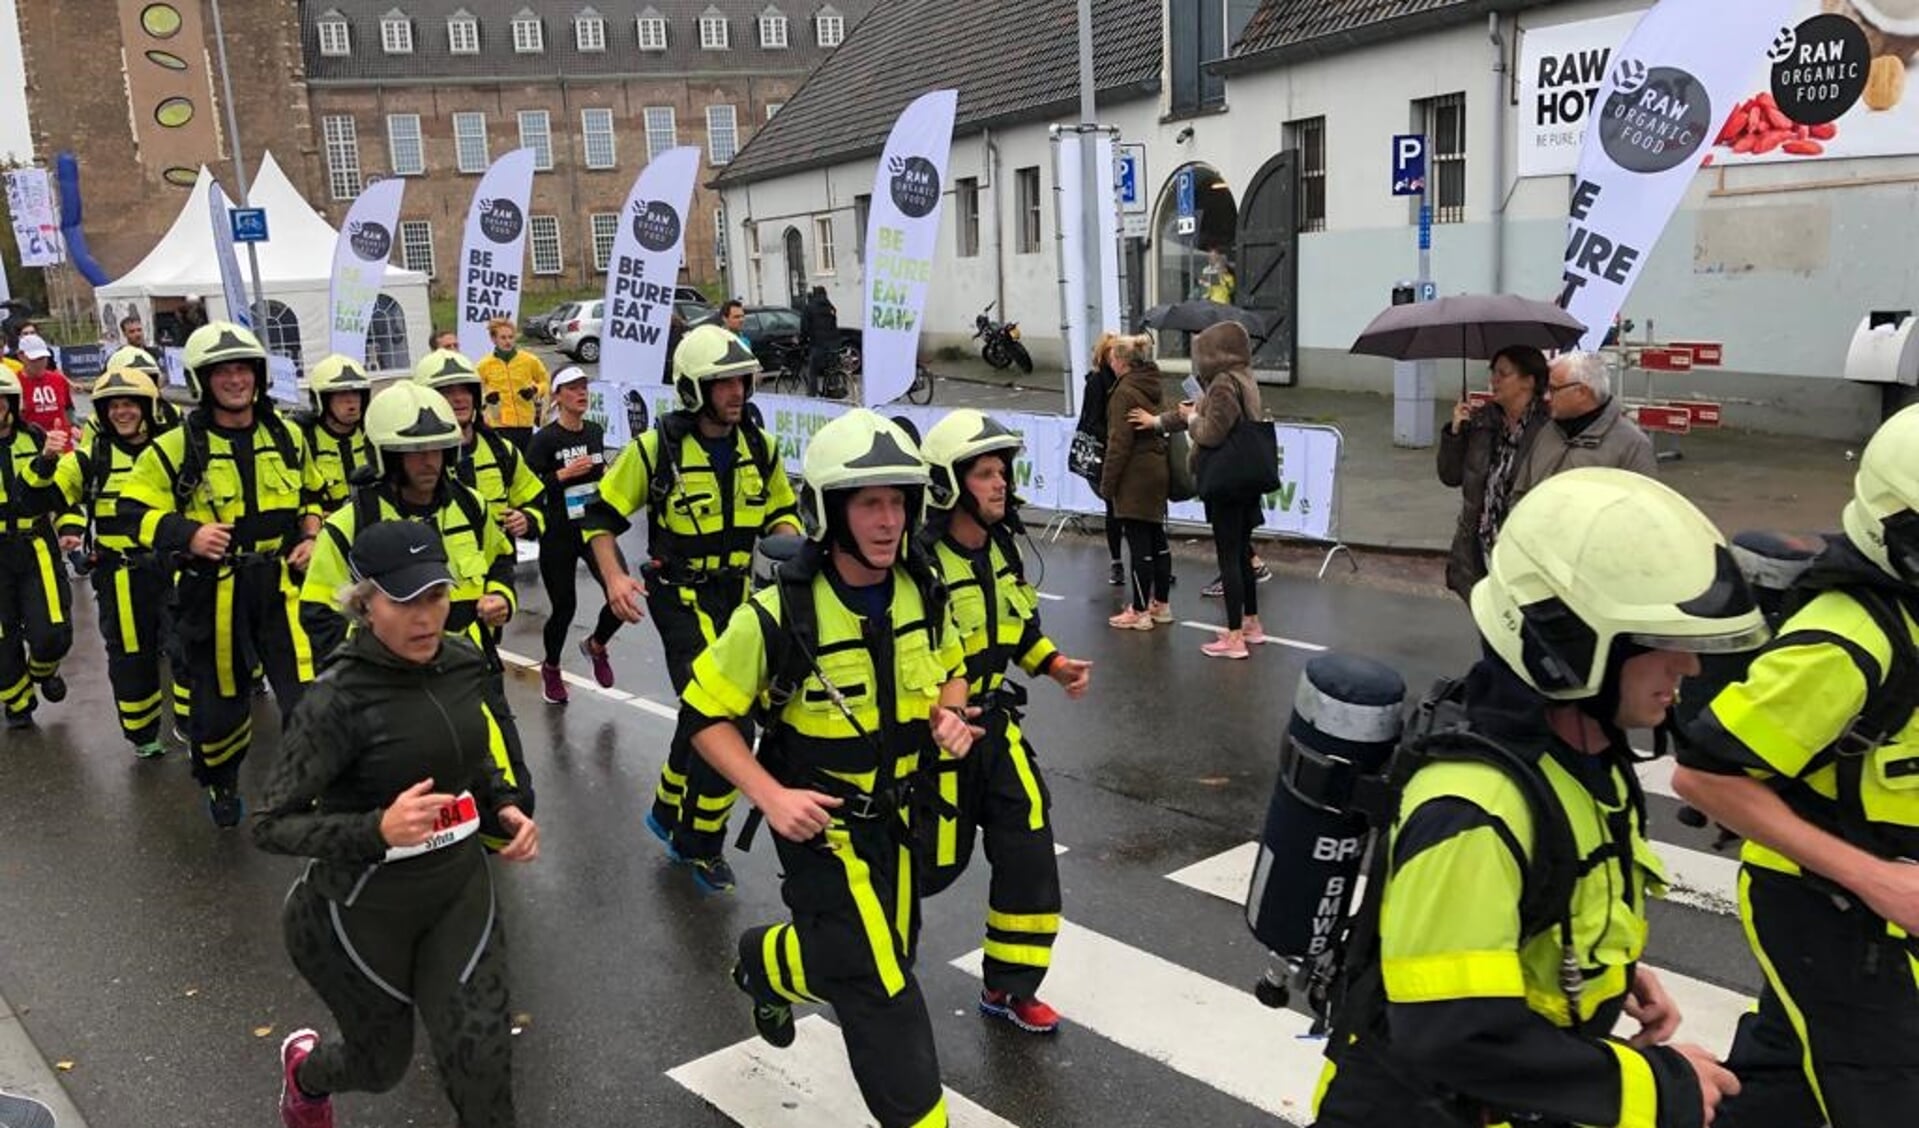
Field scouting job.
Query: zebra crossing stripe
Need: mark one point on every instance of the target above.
(807, 1085)
(1711, 1012)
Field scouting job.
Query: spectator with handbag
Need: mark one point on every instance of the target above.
(1223, 362)
(1134, 482)
(1088, 451)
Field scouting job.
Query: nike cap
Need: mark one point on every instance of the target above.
(571, 374)
(402, 558)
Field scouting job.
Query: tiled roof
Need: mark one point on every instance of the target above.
(431, 60)
(1280, 28)
(1010, 60)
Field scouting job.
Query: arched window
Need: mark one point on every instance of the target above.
(283, 333)
(386, 335)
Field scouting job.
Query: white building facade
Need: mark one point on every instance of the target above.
(1779, 261)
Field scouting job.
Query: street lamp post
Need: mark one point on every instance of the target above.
(239, 171)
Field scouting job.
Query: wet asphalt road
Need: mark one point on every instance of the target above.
(144, 947)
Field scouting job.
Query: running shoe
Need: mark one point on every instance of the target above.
(660, 831)
(1116, 575)
(1226, 646)
(552, 685)
(54, 688)
(1214, 590)
(602, 664)
(774, 1021)
(1261, 573)
(1131, 620)
(1160, 612)
(1030, 1015)
(225, 806)
(21, 720)
(297, 1110)
(1254, 633)
(713, 874)
(151, 750)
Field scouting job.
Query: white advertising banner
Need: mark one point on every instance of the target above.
(1306, 503)
(1826, 85)
(1671, 87)
(35, 228)
(233, 289)
(1067, 174)
(493, 252)
(639, 279)
(902, 235)
(359, 264)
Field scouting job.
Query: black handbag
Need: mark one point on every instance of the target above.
(1086, 456)
(1246, 464)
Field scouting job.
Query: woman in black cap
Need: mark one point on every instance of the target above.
(384, 770)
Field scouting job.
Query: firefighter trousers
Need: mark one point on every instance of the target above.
(691, 802)
(36, 617)
(236, 622)
(131, 595)
(997, 792)
(850, 945)
(1835, 1039)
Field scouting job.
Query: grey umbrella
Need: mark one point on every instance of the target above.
(1470, 327)
(1196, 316)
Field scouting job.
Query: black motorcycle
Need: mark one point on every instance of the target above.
(999, 342)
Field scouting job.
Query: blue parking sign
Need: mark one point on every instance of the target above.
(1409, 164)
(1183, 193)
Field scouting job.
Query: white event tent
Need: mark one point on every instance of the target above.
(295, 266)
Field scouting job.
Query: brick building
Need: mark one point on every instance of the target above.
(347, 91)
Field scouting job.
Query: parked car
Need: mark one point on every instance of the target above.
(773, 329)
(689, 294)
(693, 313)
(578, 337)
(538, 326)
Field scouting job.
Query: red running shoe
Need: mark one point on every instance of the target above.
(1030, 1015)
(297, 1110)
(552, 685)
(602, 665)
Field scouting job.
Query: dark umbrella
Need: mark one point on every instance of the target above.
(1470, 327)
(1196, 317)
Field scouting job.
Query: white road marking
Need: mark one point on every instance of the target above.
(644, 705)
(1205, 1029)
(1271, 640)
(807, 1085)
(1051, 598)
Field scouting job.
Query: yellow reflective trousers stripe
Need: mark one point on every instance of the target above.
(49, 584)
(1038, 924)
(223, 672)
(859, 883)
(1793, 1013)
(123, 607)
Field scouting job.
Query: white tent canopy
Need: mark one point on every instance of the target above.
(294, 271)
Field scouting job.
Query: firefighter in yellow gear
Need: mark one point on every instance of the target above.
(1505, 919)
(224, 497)
(338, 391)
(854, 665)
(486, 461)
(997, 792)
(414, 434)
(130, 584)
(711, 482)
(143, 360)
(36, 601)
(1813, 757)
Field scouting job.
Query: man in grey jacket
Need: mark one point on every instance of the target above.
(1589, 428)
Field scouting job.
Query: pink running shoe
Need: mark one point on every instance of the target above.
(602, 665)
(1226, 646)
(297, 1110)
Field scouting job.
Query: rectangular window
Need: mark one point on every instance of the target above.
(528, 38)
(652, 33)
(773, 108)
(589, 33)
(966, 216)
(416, 245)
(543, 235)
(396, 37)
(1308, 139)
(606, 227)
(1445, 121)
(823, 245)
(342, 156)
(536, 133)
(773, 32)
(596, 128)
(832, 30)
(404, 147)
(334, 38)
(463, 37)
(1027, 180)
(661, 133)
(862, 213)
(722, 134)
(469, 141)
(1196, 36)
(713, 33)
(719, 238)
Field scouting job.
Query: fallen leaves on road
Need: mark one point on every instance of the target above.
(262, 1031)
(63, 1066)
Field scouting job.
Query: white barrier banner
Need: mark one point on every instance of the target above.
(359, 265)
(902, 235)
(1073, 291)
(493, 252)
(639, 281)
(1672, 86)
(1304, 505)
